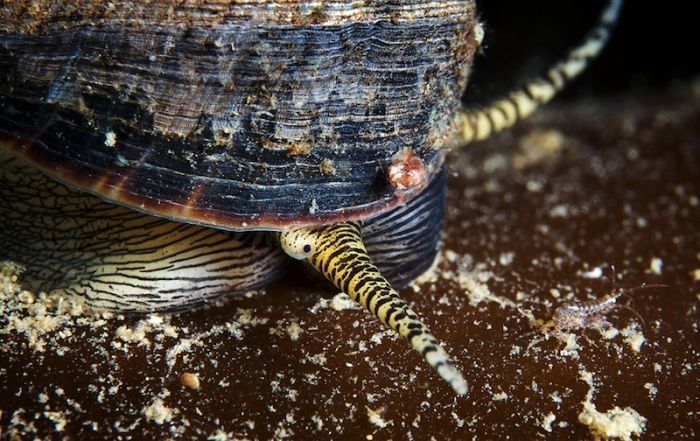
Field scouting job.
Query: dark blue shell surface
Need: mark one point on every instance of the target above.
(257, 115)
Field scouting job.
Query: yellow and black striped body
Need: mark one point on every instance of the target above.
(338, 253)
(479, 123)
(111, 257)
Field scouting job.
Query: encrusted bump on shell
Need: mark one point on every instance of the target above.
(407, 171)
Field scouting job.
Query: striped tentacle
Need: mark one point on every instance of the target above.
(110, 257)
(481, 122)
(338, 253)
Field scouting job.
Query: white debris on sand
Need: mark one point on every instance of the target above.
(339, 302)
(158, 412)
(37, 317)
(294, 331)
(538, 146)
(221, 435)
(506, 259)
(472, 279)
(132, 335)
(547, 421)
(500, 396)
(633, 337)
(375, 418)
(616, 423)
(58, 419)
(696, 275)
(595, 273)
(572, 346)
(652, 390)
(472, 282)
(609, 333)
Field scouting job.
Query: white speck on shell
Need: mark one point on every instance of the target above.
(110, 139)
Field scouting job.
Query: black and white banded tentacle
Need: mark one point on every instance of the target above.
(474, 124)
(337, 252)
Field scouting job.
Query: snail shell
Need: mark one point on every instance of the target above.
(244, 115)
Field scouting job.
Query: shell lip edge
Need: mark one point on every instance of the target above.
(189, 214)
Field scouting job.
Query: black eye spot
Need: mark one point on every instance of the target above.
(307, 248)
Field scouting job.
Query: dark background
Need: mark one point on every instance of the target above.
(654, 45)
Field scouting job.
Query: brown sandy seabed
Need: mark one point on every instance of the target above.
(536, 217)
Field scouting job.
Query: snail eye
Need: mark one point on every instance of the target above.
(307, 248)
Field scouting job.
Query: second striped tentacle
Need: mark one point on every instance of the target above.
(337, 251)
(474, 124)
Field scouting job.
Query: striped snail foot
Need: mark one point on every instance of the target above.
(109, 257)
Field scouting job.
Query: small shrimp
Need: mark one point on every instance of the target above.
(591, 314)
